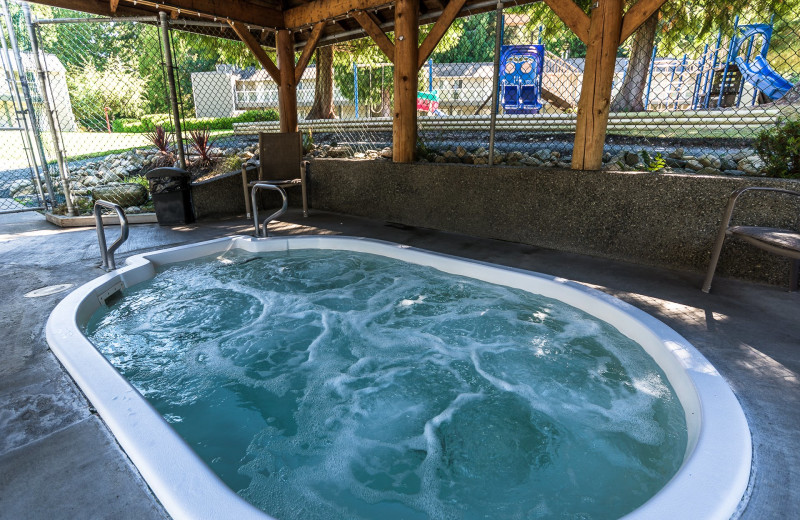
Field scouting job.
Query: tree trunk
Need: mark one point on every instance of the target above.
(323, 88)
(630, 97)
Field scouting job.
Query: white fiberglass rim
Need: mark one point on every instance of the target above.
(709, 485)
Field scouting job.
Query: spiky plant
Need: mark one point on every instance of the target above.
(160, 140)
(202, 143)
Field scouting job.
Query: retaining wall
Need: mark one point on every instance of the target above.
(667, 220)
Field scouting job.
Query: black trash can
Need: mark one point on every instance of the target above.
(172, 199)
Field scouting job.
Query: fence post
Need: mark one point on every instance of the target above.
(29, 108)
(173, 95)
(498, 36)
(48, 109)
(650, 78)
(21, 116)
(355, 87)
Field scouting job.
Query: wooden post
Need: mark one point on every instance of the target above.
(604, 37)
(406, 52)
(287, 90)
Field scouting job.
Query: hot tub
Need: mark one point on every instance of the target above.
(712, 475)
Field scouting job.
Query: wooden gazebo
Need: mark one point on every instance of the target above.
(292, 26)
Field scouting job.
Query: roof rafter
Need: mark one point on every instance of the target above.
(371, 26)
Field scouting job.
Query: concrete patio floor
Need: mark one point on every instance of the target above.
(58, 460)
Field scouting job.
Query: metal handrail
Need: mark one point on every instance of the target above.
(266, 186)
(107, 254)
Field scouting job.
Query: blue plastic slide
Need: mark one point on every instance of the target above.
(763, 77)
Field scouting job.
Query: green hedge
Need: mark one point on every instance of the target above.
(148, 122)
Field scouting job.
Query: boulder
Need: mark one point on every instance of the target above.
(532, 161)
(340, 151)
(461, 151)
(90, 180)
(710, 160)
(727, 163)
(694, 165)
(386, 153)
(751, 165)
(20, 187)
(735, 173)
(123, 194)
(631, 159)
(676, 154)
(514, 156)
(675, 163)
(708, 170)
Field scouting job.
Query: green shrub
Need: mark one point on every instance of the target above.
(779, 148)
(148, 122)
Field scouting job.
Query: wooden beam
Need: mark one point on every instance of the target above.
(439, 28)
(287, 88)
(636, 16)
(406, 34)
(319, 10)
(598, 76)
(257, 50)
(308, 50)
(239, 10)
(113, 5)
(372, 28)
(99, 7)
(572, 16)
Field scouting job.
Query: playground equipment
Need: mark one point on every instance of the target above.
(723, 85)
(758, 72)
(428, 102)
(521, 68)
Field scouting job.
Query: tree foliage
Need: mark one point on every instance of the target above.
(93, 91)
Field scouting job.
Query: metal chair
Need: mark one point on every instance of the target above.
(784, 242)
(280, 164)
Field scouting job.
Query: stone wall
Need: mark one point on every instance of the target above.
(667, 220)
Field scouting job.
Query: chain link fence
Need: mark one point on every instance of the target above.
(694, 89)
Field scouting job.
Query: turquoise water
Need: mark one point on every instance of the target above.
(333, 385)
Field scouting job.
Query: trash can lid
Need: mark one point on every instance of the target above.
(166, 171)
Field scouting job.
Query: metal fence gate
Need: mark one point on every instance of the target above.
(25, 183)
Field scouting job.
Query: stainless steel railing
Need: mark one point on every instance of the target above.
(266, 186)
(107, 254)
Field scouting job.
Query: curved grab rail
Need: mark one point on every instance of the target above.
(107, 254)
(266, 186)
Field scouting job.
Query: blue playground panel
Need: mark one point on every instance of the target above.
(758, 72)
(521, 68)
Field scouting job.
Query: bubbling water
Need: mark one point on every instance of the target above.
(327, 384)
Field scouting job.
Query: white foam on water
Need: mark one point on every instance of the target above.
(363, 388)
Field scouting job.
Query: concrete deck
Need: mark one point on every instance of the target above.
(58, 460)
